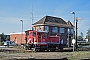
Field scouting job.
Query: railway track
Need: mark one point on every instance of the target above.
(9, 50)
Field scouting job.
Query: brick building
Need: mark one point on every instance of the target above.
(55, 26)
(18, 38)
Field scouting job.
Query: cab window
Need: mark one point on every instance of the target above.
(39, 35)
(44, 35)
(27, 33)
(34, 34)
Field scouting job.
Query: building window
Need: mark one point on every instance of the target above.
(46, 28)
(54, 29)
(32, 28)
(70, 31)
(40, 27)
(61, 30)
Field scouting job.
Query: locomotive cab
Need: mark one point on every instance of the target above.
(35, 38)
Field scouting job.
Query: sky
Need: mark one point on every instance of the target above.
(12, 11)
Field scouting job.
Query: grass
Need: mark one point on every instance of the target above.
(77, 55)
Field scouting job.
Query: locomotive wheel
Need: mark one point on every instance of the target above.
(61, 49)
(25, 47)
(35, 49)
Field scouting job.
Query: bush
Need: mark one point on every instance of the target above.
(1, 43)
(89, 42)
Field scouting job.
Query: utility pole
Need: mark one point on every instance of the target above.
(0, 38)
(32, 15)
(32, 12)
(76, 33)
(74, 37)
(22, 31)
(68, 38)
(73, 24)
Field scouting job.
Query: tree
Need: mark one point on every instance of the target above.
(80, 37)
(2, 37)
(81, 34)
(88, 34)
(7, 38)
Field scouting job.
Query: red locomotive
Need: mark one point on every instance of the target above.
(39, 40)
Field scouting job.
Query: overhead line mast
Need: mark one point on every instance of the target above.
(31, 15)
(32, 12)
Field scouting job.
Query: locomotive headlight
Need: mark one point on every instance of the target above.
(35, 42)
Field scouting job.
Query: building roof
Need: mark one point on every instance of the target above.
(50, 20)
(69, 23)
(17, 33)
